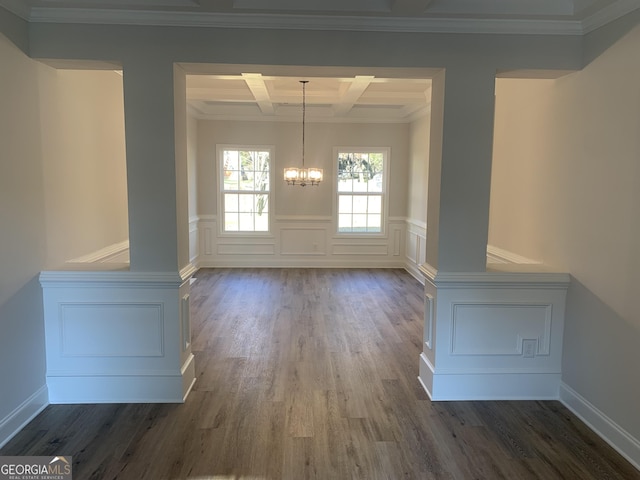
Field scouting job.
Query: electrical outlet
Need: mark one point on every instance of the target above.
(529, 347)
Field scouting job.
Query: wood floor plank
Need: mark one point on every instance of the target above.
(312, 374)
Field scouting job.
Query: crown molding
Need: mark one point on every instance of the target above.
(17, 7)
(305, 22)
(571, 26)
(608, 14)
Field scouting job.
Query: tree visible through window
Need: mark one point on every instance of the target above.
(361, 189)
(245, 189)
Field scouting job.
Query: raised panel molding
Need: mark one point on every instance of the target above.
(303, 241)
(111, 330)
(238, 248)
(496, 335)
(499, 328)
(359, 249)
(428, 321)
(117, 336)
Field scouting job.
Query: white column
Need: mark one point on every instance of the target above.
(151, 165)
(460, 169)
(125, 336)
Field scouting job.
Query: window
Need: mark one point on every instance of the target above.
(245, 192)
(361, 190)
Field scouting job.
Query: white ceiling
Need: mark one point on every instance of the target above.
(358, 98)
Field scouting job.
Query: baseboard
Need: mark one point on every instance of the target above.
(621, 440)
(188, 371)
(413, 270)
(117, 389)
(467, 386)
(27, 411)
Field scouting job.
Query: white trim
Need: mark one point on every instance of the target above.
(220, 149)
(17, 7)
(608, 14)
(188, 271)
(113, 278)
(303, 218)
(307, 22)
(519, 279)
(117, 389)
(622, 441)
(23, 414)
(487, 386)
(384, 194)
(103, 254)
(417, 223)
(499, 255)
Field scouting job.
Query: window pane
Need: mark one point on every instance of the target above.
(246, 180)
(246, 161)
(375, 184)
(262, 205)
(230, 180)
(345, 185)
(262, 223)
(344, 222)
(230, 222)
(359, 223)
(345, 203)
(245, 203)
(246, 222)
(362, 174)
(374, 223)
(231, 160)
(374, 204)
(359, 204)
(246, 170)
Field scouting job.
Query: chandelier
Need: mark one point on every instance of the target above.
(303, 176)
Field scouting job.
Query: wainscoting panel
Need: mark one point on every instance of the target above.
(194, 241)
(356, 248)
(494, 335)
(499, 329)
(416, 247)
(108, 330)
(303, 241)
(117, 336)
(246, 248)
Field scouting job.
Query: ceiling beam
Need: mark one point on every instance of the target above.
(355, 90)
(258, 88)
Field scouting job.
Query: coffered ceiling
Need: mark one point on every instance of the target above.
(358, 98)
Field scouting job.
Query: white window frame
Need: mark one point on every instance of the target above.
(386, 152)
(220, 149)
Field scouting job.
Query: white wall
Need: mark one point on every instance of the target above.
(320, 138)
(192, 166)
(23, 239)
(62, 195)
(83, 155)
(566, 191)
(419, 136)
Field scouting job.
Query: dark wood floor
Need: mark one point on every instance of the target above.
(313, 374)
